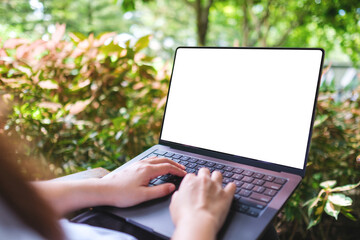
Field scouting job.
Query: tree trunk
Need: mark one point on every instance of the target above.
(202, 20)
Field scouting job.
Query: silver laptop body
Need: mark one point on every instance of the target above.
(246, 108)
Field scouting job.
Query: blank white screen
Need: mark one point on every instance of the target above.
(254, 103)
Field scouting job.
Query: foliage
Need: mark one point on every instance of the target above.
(332, 25)
(82, 102)
(334, 148)
(332, 203)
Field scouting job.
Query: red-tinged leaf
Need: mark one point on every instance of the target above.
(78, 107)
(48, 84)
(13, 43)
(22, 51)
(161, 103)
(59, 33)
(138, 86)
(53, 107)
(77, 37)
(100, 40)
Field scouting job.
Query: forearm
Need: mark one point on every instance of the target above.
(68, 196)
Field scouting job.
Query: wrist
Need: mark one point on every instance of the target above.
(198, 226)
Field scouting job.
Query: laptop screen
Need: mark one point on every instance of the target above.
(253, 103)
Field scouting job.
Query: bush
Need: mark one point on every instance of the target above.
(87, 102)
(83, 102)
(334, 146)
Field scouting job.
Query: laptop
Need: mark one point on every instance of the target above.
(246, 112)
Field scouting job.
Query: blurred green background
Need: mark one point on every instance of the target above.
(85, 84)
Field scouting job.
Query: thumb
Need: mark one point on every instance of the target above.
(159, 191)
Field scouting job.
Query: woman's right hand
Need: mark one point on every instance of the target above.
(200, 206)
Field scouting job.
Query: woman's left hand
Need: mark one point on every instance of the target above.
(129, 186)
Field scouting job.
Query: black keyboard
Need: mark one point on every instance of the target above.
(254, 190)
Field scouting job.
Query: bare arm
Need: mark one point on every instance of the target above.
(200, 206)
(123, 189)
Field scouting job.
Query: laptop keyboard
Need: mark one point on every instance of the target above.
(254, 190)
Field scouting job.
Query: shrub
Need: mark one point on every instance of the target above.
(82, 102)
(87, 102)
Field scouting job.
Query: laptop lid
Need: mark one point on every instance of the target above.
(246, 105)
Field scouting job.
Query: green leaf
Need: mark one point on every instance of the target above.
(332, 210)
(348, 215)
(77, 36)
(328, 184)
(143, 42)
(340, 199)
(314, 222)
(310, 202)
(110, 48)
(346, 187)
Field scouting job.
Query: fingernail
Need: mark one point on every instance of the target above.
(171, 188)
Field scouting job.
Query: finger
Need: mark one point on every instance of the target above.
(164, 160)
(165, 168)
(158, 191)
(204, 172)
(187, 180)
(230, 189)
(216, 176)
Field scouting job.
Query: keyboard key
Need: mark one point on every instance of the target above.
(269, 178)
(280, 181)
(199, 166)
(159, 152)
(159, 181)
(219, 166)
(238, 170)
(211, 169)
(248, 186)
(183, 163)
(221, 170)
(153, 180)
(168, 154)
(258, 175)
(227, 180)
(241, 208)
(270, 192)
(193, 160)
(248, 173)
(272, 185)
(191, 165)
(184, 158)
(253, 212)
(227, 168)
(176, 160)
(237, 176)
(248, 179)
(202, 162)
(258, 182)
(260, 197)
(245, 192)
(258, 189)
(190, 170)
(238, 183)
(252, 202)
(176, 156)
(210, 164)
(151, 155)
(228, 174)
